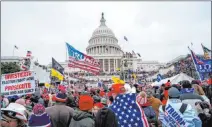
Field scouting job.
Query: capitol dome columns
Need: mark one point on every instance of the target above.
(114, 64)
(104, 47)
(103, 65)
(109, 65)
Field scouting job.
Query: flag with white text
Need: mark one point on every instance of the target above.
(82, 61)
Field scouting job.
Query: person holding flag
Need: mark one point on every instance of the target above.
(126, 107)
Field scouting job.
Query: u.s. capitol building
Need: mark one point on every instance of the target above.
(103, 46)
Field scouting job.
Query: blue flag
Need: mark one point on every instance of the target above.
(202, 65)
(99, 84)
(159, 77)
(128, 112)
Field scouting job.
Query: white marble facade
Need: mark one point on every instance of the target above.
(103, 46)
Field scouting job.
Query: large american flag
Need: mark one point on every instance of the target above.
(82, 61)
(128, 112)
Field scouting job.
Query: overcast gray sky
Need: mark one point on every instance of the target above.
(157, 30)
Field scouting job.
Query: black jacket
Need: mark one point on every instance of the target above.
(106, 118)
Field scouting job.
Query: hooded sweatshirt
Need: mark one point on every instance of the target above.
(60, 115)
(82, 119)
(106, 118)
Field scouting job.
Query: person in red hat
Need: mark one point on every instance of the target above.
(83, 117)
(60, 114)
(97, 107)
(102, 93)
(209, 81)
(117, 89)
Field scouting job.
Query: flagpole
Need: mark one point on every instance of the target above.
(13, 50)
(66, 53)
(194, 64)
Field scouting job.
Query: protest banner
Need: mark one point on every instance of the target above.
(19, 83)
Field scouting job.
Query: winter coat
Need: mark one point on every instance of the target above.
(41, 101)
(39, 120)
(60, 115)
(191, 98)
(173, 117)
(82, 119)
(198, 89)
(105, 117)
(155, 103)
(165, 97)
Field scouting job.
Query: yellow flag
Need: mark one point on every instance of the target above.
(118, 69)
(57, 74)
(134, 76)
(47, 85)
(117, 80)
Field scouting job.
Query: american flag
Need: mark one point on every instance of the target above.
(82, 61)
(128, 111)
(196, 59)
(29, 53)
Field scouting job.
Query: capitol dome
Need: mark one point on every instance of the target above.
(103, 46)
(103, 30)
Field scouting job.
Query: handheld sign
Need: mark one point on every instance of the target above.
(19, 83)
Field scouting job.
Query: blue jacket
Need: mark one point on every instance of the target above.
(172, 117)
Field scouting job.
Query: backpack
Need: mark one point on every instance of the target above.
(182, 108)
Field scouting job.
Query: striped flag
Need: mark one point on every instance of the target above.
(195, 58)
(29, 53)
(82, 61)
(125, 38)
(128, 111)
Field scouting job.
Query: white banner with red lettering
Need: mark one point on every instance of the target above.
(19, 83)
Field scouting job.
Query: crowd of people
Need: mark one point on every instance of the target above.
(170, 105)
